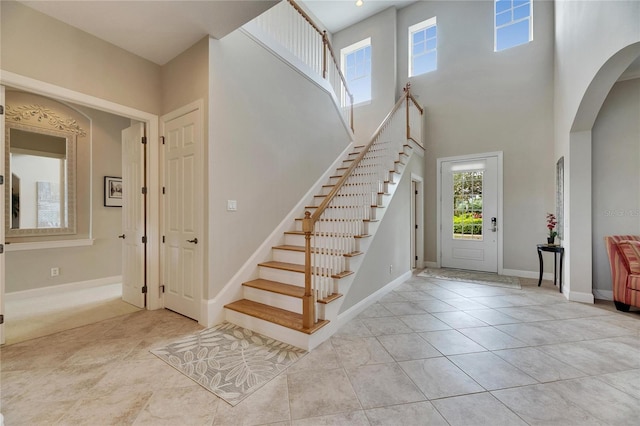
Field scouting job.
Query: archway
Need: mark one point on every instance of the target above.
(579, 172)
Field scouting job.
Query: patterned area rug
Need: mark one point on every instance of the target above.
(472, 277)
(228, 360)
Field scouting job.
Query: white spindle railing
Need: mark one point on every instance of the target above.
(289, 25)
(339, 221)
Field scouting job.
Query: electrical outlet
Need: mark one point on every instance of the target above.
(55, 272)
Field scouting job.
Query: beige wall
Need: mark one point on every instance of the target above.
(587, 64)
(98, 155)
(35, 45)
(616, 176)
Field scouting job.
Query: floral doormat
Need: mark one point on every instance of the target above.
(472, 277)
(228, 360)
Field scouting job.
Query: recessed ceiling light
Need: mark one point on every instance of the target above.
(359, 3)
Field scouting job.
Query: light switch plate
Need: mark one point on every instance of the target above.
(232, 205)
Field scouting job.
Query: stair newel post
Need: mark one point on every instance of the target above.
(308, 304)
(325, 41)
(407, 89)
(351, 112)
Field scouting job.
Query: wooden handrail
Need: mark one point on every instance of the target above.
(305, 16)
(323, 206)
(309, 221)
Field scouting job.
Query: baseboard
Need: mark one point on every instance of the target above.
(576, 296)
(527, 274)
(57, 289)
(356, 309)
(603, 294)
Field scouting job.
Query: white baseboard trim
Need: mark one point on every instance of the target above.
(356, 309)
(603, 294)
(57, 289)
(576, 296)
(527, 274)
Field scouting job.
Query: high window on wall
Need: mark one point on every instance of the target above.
(512, 23)
(355, 61)
(423, 55)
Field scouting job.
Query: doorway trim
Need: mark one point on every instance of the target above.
(417, 218)
(500, 195)
(17, 81)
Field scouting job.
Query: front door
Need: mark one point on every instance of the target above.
(182, 214)
(469, 214)
(133, 216)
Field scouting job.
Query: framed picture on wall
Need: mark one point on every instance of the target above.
(112, 191)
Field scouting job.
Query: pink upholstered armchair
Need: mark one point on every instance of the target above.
(624, 258)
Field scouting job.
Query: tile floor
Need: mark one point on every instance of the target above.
(432, 352)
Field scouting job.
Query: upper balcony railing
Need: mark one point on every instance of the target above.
(293, 28)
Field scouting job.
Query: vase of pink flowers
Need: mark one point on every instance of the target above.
(551, 226)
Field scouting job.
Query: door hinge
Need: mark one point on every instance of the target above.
(163, 238)
(1, 109)
(144, 289)
(416, 257)
(416, 226)
(416, 192)
(161, 289)
(144, 190)
(1, 319)
(162, 139)
(144, 140)
(163, 190)
(144, 239)
(1, 248)
(1, 180)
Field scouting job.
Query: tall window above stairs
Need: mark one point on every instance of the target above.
(355, 61)
(512, 24)
(423, 54)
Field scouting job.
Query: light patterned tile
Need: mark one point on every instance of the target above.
(356, 351)
(404, 347)
(439, 378)
(483, 408)
(490, 371)
(417, 413)
(451, 342)
(383, 384)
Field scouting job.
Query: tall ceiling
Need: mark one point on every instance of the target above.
(158, 30)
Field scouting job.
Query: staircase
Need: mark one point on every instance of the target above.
(299, 290)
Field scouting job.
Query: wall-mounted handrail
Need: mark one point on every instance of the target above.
(372, 186)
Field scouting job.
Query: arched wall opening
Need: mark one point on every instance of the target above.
(579, 174)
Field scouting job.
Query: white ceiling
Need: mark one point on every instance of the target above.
(159, 30)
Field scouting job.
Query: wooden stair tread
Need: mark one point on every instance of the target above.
(330, 298)
(276, 287)
(294, 267)
(278, 316)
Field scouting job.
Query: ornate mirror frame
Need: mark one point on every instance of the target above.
(70, 184)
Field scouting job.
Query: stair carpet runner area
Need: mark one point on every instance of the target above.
(276, 296)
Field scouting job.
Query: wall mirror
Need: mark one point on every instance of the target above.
(40, 196)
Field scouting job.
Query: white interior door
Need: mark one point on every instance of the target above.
(414, 224)
(133, 216)
(182, 214)
(2, 189)
(469, 214)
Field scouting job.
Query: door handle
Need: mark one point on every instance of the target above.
(194, 241)
(121, 236)
(494, 224)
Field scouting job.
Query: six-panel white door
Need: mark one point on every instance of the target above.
(133, 216)
(182, 214)
(469, 214)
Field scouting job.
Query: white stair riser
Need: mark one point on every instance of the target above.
(284, 334)
(277, 300)
(329, 311)
(282, 276)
